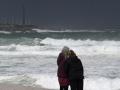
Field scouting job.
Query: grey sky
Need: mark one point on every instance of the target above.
(74, 13)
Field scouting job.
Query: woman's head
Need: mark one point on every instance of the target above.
(65, 51)
(72, 53)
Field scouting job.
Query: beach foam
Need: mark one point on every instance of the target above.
(51, 82)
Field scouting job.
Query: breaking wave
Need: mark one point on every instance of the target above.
(48, 45)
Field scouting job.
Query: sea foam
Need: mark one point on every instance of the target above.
(51, 82)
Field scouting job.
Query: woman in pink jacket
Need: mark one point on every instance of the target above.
(62, 77)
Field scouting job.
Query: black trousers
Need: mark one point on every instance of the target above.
(76, 84)
(63, 87)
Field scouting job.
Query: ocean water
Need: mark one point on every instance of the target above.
(29, 58)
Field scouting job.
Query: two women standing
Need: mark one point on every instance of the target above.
(70, 70)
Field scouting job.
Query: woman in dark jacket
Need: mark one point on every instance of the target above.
(62, 77)
(74, 70)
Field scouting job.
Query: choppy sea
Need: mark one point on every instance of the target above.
(29, 58)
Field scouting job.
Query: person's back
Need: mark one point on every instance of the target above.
(75, 68)
(75, 72)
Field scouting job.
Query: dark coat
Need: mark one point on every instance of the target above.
(74, 68)
(62, 76)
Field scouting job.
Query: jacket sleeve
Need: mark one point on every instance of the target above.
(82, 69)
(60, 57)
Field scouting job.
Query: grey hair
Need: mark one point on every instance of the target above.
(65, 49)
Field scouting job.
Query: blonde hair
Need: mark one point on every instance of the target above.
(72, 53)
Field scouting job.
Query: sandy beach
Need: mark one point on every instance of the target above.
(18, 87)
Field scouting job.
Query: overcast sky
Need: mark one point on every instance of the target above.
(64, 12)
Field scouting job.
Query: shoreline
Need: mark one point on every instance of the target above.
(4, 86)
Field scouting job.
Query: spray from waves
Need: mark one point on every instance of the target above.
(48, 45)
(45, 81)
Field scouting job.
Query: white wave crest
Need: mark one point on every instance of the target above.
(5, 32)
(82, 47)
(72, 42)
(67, 30)
(20, 50)
(86, 46)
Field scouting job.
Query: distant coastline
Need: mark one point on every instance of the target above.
(16, 27)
